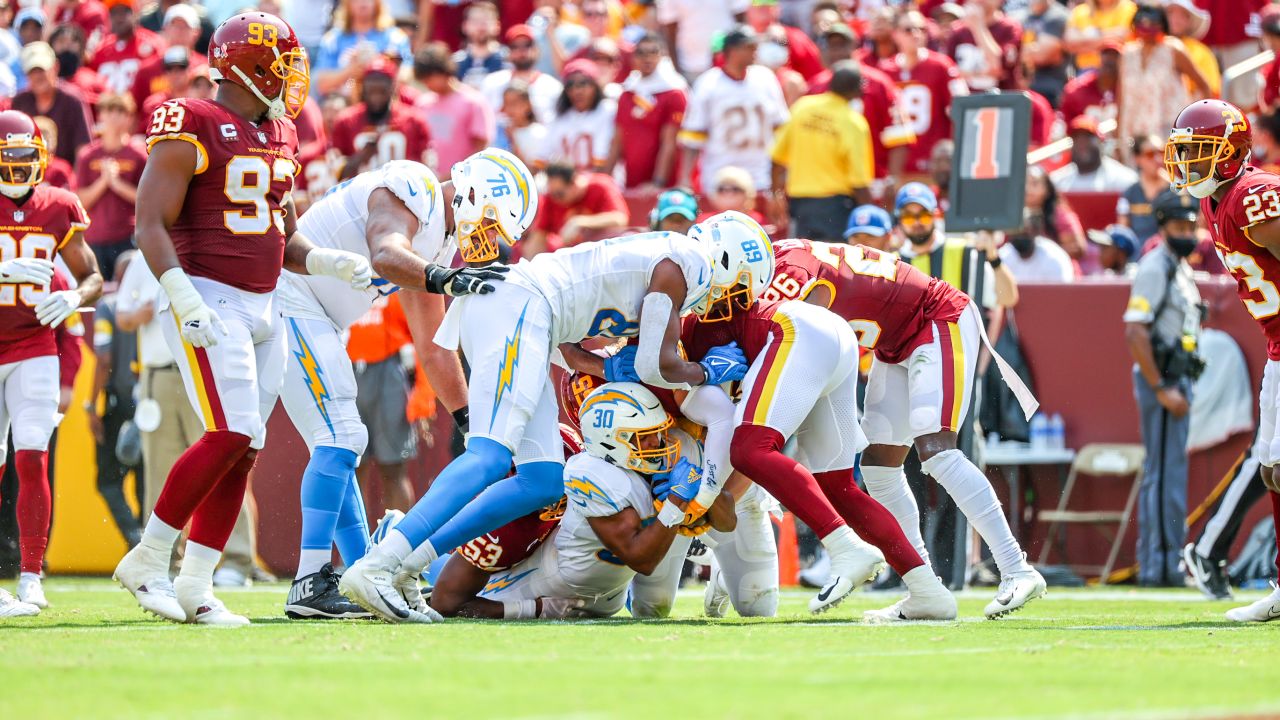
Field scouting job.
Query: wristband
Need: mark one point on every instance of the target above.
(462, 418)
(995, 264)
(519, 609)
(670, 515)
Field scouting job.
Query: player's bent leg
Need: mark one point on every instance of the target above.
(746, 561)
(31, 400)
(653, 595)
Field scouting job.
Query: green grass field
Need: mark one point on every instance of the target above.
(1102, 654)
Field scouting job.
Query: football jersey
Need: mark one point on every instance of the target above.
(118, 61)
(339, 220)
(596, 289)
(36, 228)
(512, 543)
(1254, 198)
(405, 136)
(231, 227)
(924, 95)
(320, 167)
(732, 122)
(582, 138)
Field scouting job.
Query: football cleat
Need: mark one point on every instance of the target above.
(316, 597)
(715, 600)
(230, 577)
(406, 583)
(11, 606)
(146, 575)
(1016, 590)
(372, 586)
(849, 570)
(1209, 576)
(936, 606)
(1264, 610)
(30, 590)
(201, 607)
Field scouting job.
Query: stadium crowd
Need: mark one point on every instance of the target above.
(812, 116)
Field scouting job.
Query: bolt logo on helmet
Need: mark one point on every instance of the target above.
(494, 194)
(23, 155)
(624, 424)
(1208, 146)
(742, 263)
(261, 53)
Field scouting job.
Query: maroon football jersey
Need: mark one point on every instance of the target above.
(751, 329)
(231, 228)
(891, 304)
(514, 542)
(1253, 199)
(37, 227)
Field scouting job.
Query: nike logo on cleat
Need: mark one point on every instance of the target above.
(826, 592)
(1273, 612)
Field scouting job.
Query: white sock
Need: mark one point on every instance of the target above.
(395, 548)
(922, 581)
(310, 561)
(420, 558)
(888, 486)
(199, 562)
(840, 541)
(29, 576)
(973, 494)
(160, 536)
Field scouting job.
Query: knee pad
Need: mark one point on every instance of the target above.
(755, 599)
(543, 480)
(882, 480)
(494, 457)
(31, 431)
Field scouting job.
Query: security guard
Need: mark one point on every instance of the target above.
(1162, 327)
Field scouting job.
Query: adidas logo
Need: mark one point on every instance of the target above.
(300, 590)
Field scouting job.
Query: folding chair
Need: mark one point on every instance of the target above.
(1101, 460)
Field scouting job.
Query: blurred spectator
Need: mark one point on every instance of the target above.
(525, 136)
(575, 203)
(68, 45)
(1151, 72)
(800, 52)
(88, 15)
(733, 112)
(107, 173)
(675, 211)
(175, 83)
(772, 54)
(927, 83)
(1044, 23)
(379, 128)
(362, 31)
(879, 43)
(320, 162)
(47, 95)
(870, 225)
(1097, 93)
(11, 77)
(461, 121)
(181, 31)
(544, 89)
(1189, 23)
(987, 47)
(648, 118)
(603, 38)
(1269, 92)
(940, 172)
(607, 56)
(1032, 257)
(1044, 120)
(1118, 247)
(1233, 38)
(120, 54)
(59, 173)
(482, 54)
(733, 189)
(689, 26)
(29, 24)
(1090, 170)
(156, 17)
(822, 158)
(1093, 25)
(1134, 208)
(582, 132)
(1053, 217)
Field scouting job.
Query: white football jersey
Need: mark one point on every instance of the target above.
(597, 288)
(596, 488)
(733, 122)
(582, 138)
(338, 221)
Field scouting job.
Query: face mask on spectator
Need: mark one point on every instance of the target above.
(1024, 244)
(1182, 246)
(771, 55)
(68, 63)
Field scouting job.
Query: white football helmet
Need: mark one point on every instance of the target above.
(493, 194)
(624, 424)
(742, 263)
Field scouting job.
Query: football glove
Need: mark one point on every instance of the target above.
(345, 266)
(57, 307)
(621, 366)
(681, 482)
(199, 324)
(557, 608)
(456, 282)
(725, 363)
(37, 271)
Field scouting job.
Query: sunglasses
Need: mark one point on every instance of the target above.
(921, 217)
(581, 82)
(521, 46)
(730, 190)
(594, 14)
(647, 51)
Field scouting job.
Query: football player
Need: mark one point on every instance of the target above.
(802, 384)
(37, 221)
(638, 285)
(926, 337)
(1208, 156)
(398, 219)
(216, 227)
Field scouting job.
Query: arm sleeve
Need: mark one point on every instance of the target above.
(655, 313)
(711, 407)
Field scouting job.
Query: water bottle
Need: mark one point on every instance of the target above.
(1039, 432)
(1057, 432)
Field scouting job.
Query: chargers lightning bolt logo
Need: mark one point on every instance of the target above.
(586, 488)
(312, 375)
(507, 371)
(506, 581)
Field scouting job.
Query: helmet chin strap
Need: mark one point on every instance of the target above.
(275, 108)
(13, 191)
(1202, 190)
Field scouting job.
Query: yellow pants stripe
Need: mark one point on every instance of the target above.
(761, 414)
(197, 377)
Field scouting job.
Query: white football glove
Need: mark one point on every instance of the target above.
(199, 325)
(556, 608)
(346, 266)
(57, 307)
(37, 271)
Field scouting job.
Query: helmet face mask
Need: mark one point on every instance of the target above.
(23, 155)
(723, 300)
(495, 199)
(261, 53)
(1208, 146)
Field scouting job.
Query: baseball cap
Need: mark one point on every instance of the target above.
(918, 193)
(30, 13)
(515, 32)
(1170, 205)
(841, 29)
(676, 201)
(869, 220)
(1201, 17)
(177, 56)
(739, 35)
(955, 10)
(108, 4)
(37, 56)
(1084, 123)
(183, 12)
(581, 66)
(382, 65)
(1113, 45)
(1117, 236)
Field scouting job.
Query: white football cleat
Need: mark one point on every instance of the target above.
(30, 591)
(371, 585)
(201, 607)
(936, 606)
(1264, 610)
(146, 575)
(849, 571)
(715, 600)
(11, 606)
(1016, 590)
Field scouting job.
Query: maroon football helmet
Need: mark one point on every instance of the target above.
(1208, 146)
(261, 53)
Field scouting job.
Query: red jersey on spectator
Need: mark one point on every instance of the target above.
(310, 124)
(112, 215)
(118, 61)
(231, 228)
(1229, 20)
(89, 83)
(1251, 200)
(405, 135)
(89, 15)
(59, 174)
(963, 48)
(890, 303)
(320, 167)
(645, 108)
(512, 543)
(151, 77)
(924, 95)
(601, 195)
(1042, 119)
(879, 98)
(1269, 93)
(36, 227)
(802, 54)
(1082, 96)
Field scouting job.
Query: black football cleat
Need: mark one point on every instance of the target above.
(1209, 576)
(316, 597)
